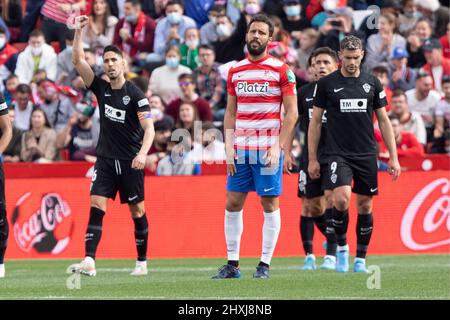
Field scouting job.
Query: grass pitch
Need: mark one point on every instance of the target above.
(401, 277)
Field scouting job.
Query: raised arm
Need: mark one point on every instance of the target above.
(78, 58)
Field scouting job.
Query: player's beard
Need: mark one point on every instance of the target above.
(256, 51)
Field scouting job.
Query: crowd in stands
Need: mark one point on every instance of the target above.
(179, 53)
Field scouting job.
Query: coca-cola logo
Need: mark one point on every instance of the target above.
(42, 222)
(432, 205)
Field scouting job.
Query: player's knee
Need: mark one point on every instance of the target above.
(314, 208)
(364, 205)
(341, 202)
(98, 203)
(329, 200)
(269, 207)
(233, 205)
(136, 211)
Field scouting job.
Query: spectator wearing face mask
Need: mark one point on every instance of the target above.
(422, 31)
(437, 65)
(208, 32)
(293, 22)
(408, 18)
(436, 13)
(37, 55)
(135, 32)
(171, 29)
(164, 80)
(230, 44)
(189, 49)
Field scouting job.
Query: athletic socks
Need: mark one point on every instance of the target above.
(340, 224)
(307, 233)
(271, 230)
(4, 231)
(321, 224)
(233, 230)
(141, 236)
(329, 233)
(364, 227)
(94, 231)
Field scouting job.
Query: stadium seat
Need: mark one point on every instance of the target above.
(20, 45)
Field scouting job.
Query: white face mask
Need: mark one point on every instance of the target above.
(329, 5)
(2, 42)
(36, 51)
(192, 43)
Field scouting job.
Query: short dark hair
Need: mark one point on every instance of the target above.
(445, 79)
(11, 76)
(206, 47)
(36, 33)
(173, 3)
(133, 2)
(422, 74)
(393, 116)
(2, 30)
(399, 93)
(380, 69)
(327, 51)
(218, 8)
(140, 82)
(351, 43)
(310, 58)
(114, 49)
(23, 88)
(264, 19)
(186, 76)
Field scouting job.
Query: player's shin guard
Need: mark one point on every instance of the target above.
(340, 224)
(4, 231)
(330, 234)
(141, 236)
(94, 231)
(233, 230)
(271, 230)
(364, 227)
(307, 233)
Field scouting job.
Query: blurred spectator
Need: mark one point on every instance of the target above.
(58, 107)
(100, 31)
(186, 118)
(308, 41)
(207, 79)
(407, 144)
(135, 32)
(230, 44)
(39, 143)
(79, 136)
(293, 21)
(32, 13)
(198, 10)
(382, 73)
(189, 49)
(164, 80)
(212, 148)
(65, 65)
(178, 160)
(423, 99)
(156, 102)
(408, 18)
(6, 49)
(368, 26)
(380, 46)
(441, 131)
(208, 32)
(4, 26)
(411, 121)
(56, 14)
(445, 43)
(438, 14)
(187, 88)
(23, 106)
(437, 66)
(171, 29)
(163, 130)
(11, 84)
(401, 76)
(422, 31)
(337, 27)
(317, 11)
(12, 151)
(37, 55)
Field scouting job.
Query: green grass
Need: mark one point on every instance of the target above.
(402, 277)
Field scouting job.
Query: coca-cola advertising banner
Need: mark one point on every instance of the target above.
(48, 218)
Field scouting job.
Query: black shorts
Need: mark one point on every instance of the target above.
(112, 175)
(2, 190)
(362, 170)
(308, 188)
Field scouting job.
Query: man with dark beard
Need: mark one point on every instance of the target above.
(254, 141)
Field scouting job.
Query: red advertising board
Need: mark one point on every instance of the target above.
(48, 218)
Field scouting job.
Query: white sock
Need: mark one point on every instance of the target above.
(271, 230)
(343, 248)
(360, 259)
(234, 226)
(89, 260)
(141, 263)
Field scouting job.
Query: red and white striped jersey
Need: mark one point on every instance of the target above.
(259, 87)
(50, 10)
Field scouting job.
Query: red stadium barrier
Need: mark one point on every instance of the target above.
(48, 218)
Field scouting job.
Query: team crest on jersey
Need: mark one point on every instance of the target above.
(366, 87)
(126, 100)
(333, 178)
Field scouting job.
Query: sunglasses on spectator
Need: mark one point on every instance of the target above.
(184, 83)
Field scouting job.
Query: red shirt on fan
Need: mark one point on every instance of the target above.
(259, 87)
(407, 147)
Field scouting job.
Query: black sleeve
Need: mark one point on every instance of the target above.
(379, 99)
(300, 100)
(141, 101)
(3, 105)
(98, 86)
(320, 96)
